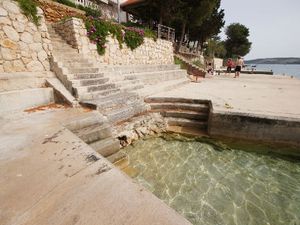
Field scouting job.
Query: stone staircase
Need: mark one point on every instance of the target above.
(95, 130)
(192, 69)
(89, 84)
(190, 116)
(116, 91)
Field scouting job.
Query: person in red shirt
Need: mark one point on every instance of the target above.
(229, 65)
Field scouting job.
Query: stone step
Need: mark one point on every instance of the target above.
(93, 88)
(112, 101)
(71, 62)
(88, 82)
(175, 100)
(78, 64)
(106, 147)
(87, 76)
(157, 75)
(61, 51)
(98, 94)
(86, 120)
(186, 123)
(199, 116)
(125, 113)
(129, 69)
(83, 70)
(70, 55)
(94, 132)
(115, 105)
(166, 77)
(180, 106)
(117, 157)
(149, 90)
(132, 87)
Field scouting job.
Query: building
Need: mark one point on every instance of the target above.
(109, 8)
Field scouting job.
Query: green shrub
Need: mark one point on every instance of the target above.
(133, 39)
(29, 8)
(98, 31)
(150, 34)
(181, 63)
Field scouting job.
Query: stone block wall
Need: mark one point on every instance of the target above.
(24, 47)
(151, 52)
(55, 12)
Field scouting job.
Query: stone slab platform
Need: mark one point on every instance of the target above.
(49, 176)
(252, 107)
(253, 94)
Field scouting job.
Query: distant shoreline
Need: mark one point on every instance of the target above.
(280, 61)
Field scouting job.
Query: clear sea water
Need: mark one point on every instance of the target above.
(211, 186)
(278, 69)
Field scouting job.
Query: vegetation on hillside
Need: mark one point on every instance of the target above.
(29, 9)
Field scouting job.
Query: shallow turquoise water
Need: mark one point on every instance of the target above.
(212, 187)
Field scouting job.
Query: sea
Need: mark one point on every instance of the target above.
(281, 69)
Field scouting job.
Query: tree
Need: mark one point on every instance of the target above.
(237, 42)
(192, 13)
(215, 48)
(211, 26)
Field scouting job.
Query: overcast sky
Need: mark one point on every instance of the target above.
(274, 25)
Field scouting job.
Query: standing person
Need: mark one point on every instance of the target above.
(238, 67)
(229, 66)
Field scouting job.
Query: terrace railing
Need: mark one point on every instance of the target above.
(164, 32)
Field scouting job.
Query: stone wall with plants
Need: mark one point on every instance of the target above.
(114, 45)
(24, 40)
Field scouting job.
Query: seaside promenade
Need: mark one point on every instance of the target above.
(264, 95)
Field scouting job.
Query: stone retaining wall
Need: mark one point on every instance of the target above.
(151, 52)
(251, 127)
(24, 46)
(55, 12)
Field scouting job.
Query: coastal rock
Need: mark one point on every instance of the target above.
(11, 33)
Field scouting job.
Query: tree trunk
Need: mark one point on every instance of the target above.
(161, 15)
(182, 35)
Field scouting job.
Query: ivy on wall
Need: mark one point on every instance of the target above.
(99, 30)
